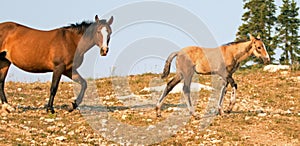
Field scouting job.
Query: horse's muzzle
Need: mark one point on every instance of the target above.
(103, 51)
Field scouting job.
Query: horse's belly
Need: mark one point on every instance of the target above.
(32, 68)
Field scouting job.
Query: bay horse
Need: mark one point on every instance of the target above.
(222, 61)
(60, 51)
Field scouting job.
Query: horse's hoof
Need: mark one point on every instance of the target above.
(74, 104)
(50, 109)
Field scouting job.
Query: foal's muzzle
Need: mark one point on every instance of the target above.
(104, 51)
(266, 60)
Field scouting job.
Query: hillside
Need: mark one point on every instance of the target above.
(267, 112)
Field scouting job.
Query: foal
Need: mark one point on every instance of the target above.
(223, 61)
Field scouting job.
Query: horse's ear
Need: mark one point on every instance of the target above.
(97, 18)
(110, 21)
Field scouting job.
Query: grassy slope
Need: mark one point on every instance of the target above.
(275, 94)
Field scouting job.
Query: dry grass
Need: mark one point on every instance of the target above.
(267, 112)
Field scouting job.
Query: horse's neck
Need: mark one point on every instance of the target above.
(82, 41)
(241, 51)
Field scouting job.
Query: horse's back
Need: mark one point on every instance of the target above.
(34, 50)
(5, 29)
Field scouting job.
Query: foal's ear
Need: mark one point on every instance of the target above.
(110, 21)
(258, 37)
(251, 37)
(97, 18)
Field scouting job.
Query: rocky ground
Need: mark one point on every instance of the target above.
(114, 111)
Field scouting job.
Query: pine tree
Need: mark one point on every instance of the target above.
(288, 36)
(259, 19)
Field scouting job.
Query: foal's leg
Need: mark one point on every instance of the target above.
(221, 98)
(57, 72)
(170, 85)
(4, 66)
(233, 93)
(187, 92)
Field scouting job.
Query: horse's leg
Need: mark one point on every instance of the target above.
(4, 66)
(170, 85)
(233, 93)
(187, 91)
(78, 79)
(57, 72)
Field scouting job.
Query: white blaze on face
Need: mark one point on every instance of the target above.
(104, 36)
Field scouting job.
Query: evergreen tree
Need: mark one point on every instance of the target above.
(259, 19)
(288, 36)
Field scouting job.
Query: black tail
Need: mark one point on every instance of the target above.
(166, 71)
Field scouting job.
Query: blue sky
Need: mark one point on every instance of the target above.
(221, 19)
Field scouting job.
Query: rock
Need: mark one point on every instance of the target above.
(124, 117)
(275, 68)
(284, 73)
(49, 120)
(261, 114)
(247, 118)
(150, 127)
(60, 138)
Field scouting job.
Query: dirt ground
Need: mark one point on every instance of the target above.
(267, 112)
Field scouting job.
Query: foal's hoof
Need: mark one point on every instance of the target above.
(158, 112)
(221, 112)
(228, 111)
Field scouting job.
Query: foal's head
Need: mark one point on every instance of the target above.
(103, 32)
(259, 49)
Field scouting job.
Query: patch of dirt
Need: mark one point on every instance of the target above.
(267, 112)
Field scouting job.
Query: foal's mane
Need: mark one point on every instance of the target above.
(235, 42)
(80, 28)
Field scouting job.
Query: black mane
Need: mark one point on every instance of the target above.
(80, 28)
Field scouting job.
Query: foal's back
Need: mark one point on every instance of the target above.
(204, 60)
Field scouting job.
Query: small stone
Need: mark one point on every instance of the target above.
(49, 120)
(61, 138)
(150, 127)
(124, 117)
(287, 112)
(71, 133)
(247, 118)
(19, 89)
(261, 114)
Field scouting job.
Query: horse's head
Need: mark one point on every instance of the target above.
(259, 49)
(103, 32)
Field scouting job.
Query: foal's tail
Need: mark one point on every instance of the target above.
(166, 71)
